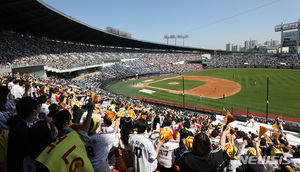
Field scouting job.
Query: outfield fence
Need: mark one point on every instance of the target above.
(235, 110)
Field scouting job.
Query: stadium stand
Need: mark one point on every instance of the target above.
(255, 60)
(119, 146)
(61, 124)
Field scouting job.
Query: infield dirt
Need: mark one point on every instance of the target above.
(215, 88)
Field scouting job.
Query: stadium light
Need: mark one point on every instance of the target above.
(180, 37)
(167, 37)
(184, 37)
(176, 37)
(173, 37)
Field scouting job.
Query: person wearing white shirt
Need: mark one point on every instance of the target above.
(144, 153)
(166, 157)
(295, 160)
(33, 91)
(100, 144)
(45, 104)
(155, 129)
(18, 91)
(238, 142)
(214, 139)
(175, 126)
(10, 87)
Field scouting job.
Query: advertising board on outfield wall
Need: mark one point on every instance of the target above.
(290, 38)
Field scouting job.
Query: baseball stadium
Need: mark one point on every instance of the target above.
(79, 98)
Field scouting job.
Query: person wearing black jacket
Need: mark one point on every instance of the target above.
(202, 158)
(19, 129)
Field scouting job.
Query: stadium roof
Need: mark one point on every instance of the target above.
(35, 17)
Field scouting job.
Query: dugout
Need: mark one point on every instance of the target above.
(37, 71)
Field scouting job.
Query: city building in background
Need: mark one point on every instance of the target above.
(236, 47)
(289, 43)
(229, 47)
(270, 46)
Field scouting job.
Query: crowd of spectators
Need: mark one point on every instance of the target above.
(132, 68)
(119, 133)
(254, 60)
(20, 50)
(111, 132)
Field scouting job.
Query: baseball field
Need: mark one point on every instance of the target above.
(234, 89)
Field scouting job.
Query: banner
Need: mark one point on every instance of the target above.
(274, 126)
(67, 153)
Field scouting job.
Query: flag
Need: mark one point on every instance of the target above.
(288, 148)
(251, 152)
(165, 134)
(274, 126)
(228, 118)
(262, 131)
(121, 112)
(131, 114)
(276, 151)
(95, 98)
(267, 138)
(231, 150)
(275, 135)
(232, 130)
(111, 115)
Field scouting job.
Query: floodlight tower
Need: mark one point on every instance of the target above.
(179, 36)
(184, 37)
(173, 37)
(167, 37)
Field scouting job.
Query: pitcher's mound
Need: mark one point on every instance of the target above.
(173, 83)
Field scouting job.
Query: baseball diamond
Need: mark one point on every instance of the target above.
(239, 92)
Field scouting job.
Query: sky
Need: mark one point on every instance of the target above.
(210, 24)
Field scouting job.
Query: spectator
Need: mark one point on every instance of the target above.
(19, 129)
(17, 90)
(4, 115)
(144, 153)
(202, 158)
(99, 145)
(63, 122)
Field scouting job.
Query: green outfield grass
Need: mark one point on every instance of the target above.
(284, 91)
(188, 84)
